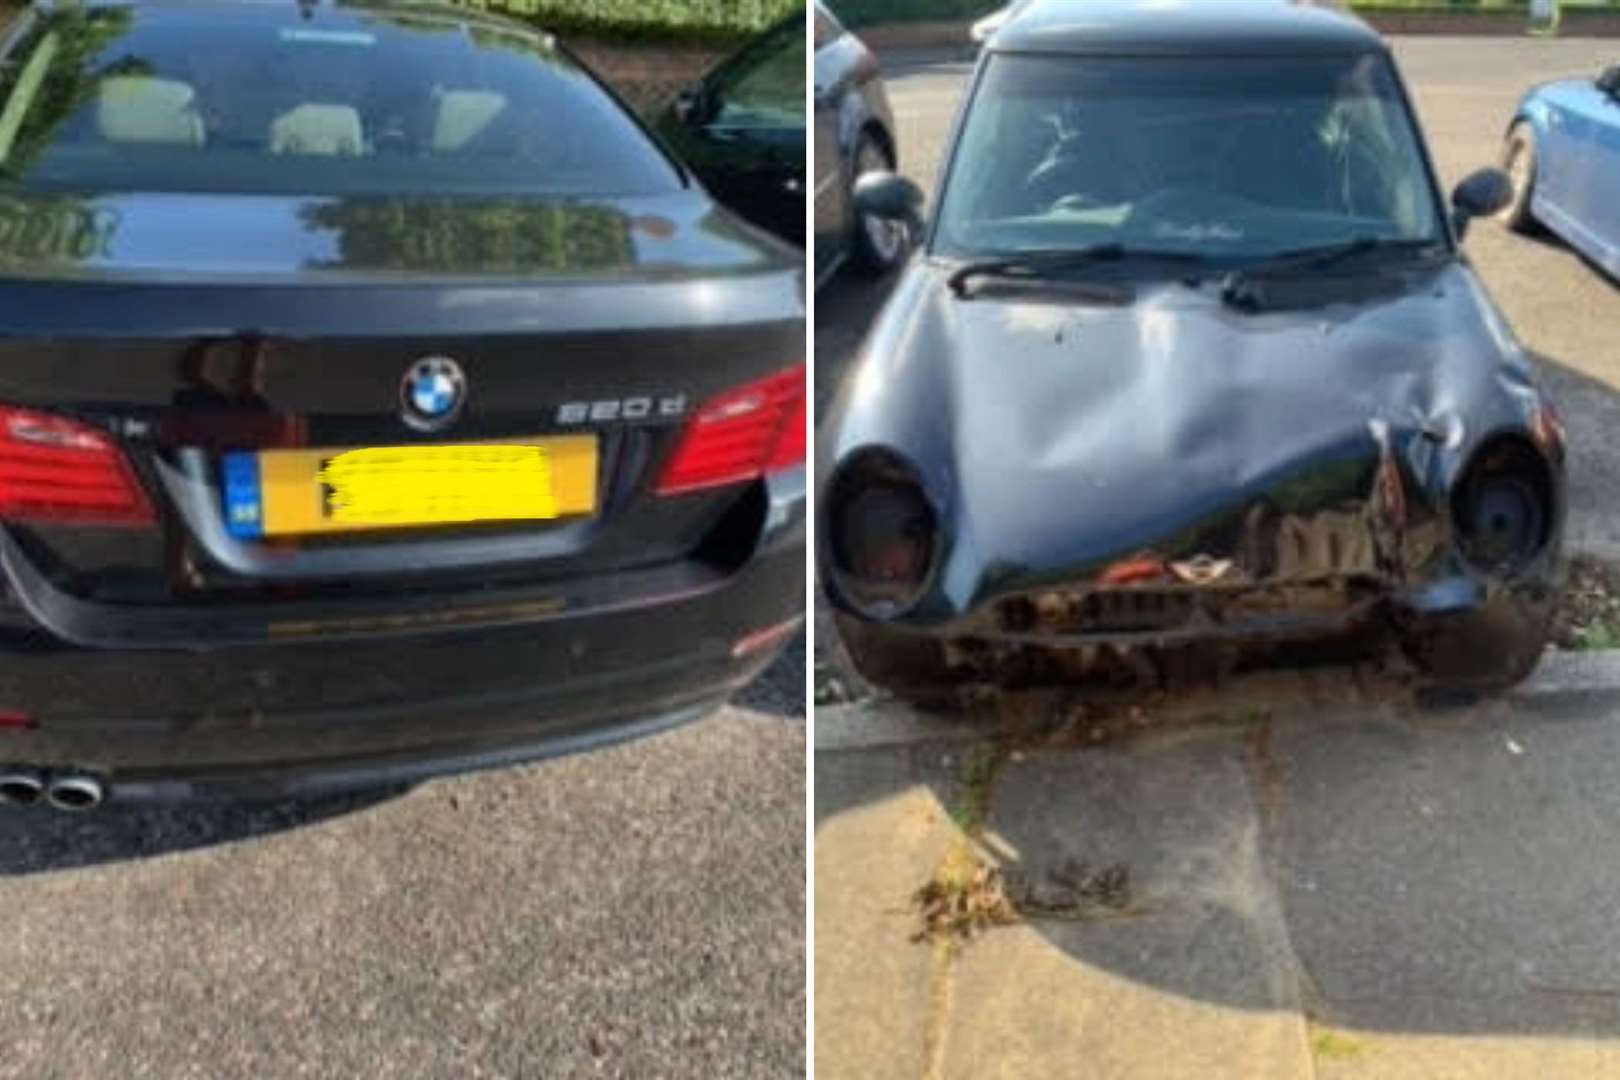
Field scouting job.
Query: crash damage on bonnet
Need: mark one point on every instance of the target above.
(1154, 461)
(1107, 480)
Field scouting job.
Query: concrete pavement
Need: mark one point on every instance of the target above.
(1330, 890)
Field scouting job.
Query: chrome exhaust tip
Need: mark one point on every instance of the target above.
(20, 787)
(74, 792)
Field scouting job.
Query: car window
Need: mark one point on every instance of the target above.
(827, 28)
(1230, 158)
(261, 99)
(764, 86)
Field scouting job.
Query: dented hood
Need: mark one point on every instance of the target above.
(1057, 437)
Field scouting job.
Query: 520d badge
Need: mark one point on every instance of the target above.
(633, 408)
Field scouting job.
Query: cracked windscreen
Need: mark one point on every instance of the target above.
(1224, 158)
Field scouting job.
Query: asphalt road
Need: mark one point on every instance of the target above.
(633, 912)
(1465, 89)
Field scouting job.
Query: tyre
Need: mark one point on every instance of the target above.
(1486, 651)
(879, 245)
(908, 666)
(1519, 162)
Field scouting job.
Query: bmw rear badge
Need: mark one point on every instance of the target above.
(432, 393)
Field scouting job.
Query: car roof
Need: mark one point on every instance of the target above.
(1209, 27)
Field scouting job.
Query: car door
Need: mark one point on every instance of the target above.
(831, 194)
(1561, 158)
(748, 141)
(1594, 134)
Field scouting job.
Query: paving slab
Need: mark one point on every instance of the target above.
(1199, 979)
(1023, 1007)
(1455, 875)
(1381, 1056)
(881, 833)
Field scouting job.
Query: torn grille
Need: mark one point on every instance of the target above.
(1065, 612)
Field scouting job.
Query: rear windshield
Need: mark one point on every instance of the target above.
(262, 99)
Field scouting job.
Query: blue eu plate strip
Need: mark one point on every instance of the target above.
(244, 509)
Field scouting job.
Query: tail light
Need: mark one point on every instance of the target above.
(740, 434)
(59, 470)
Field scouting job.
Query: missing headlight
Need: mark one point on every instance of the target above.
(882, 535)
(1503, 507)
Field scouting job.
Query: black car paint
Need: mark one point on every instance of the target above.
(1056, 441)
(757, 170)
(850, 101)
(172, 659)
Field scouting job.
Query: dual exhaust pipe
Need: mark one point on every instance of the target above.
(70, 791)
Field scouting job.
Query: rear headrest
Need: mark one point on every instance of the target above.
(318, 129)
(462, 115)
(140, 109)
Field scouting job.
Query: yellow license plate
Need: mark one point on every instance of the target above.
(297, 492)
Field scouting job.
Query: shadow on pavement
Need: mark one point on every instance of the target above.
(845, 308)
(1591, 412)
(779, 690)
(36, 839)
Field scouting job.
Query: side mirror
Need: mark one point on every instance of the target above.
(1482, 194)
(1609, 81)
(688, 107)
(889, 196)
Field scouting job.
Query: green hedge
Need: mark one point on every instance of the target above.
(1497, 7)
(870, 12)
(661, 20)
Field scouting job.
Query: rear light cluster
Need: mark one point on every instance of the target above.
(53, 469)
(740, 435)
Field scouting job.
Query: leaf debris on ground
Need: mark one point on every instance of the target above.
(1588, 617)
(970, 896)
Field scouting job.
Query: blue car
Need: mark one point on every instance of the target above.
(1563, 156)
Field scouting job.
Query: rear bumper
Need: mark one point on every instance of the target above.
(341, 702)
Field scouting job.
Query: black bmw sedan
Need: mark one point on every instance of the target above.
(376, 399)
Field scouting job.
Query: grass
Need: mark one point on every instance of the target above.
(1588, 615)
(1599, 636)
(642, 20)
(1329, 1045)
(975, 783)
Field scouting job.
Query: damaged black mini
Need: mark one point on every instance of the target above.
(1189, 369)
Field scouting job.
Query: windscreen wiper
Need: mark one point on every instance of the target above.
(1042, 264)
(1304, 260)
(1241, 287)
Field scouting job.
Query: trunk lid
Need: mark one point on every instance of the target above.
(197, 327)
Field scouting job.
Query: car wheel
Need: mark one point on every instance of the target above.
(1519, 162)
(879, 244)
(1489, 650)
(908, 666)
